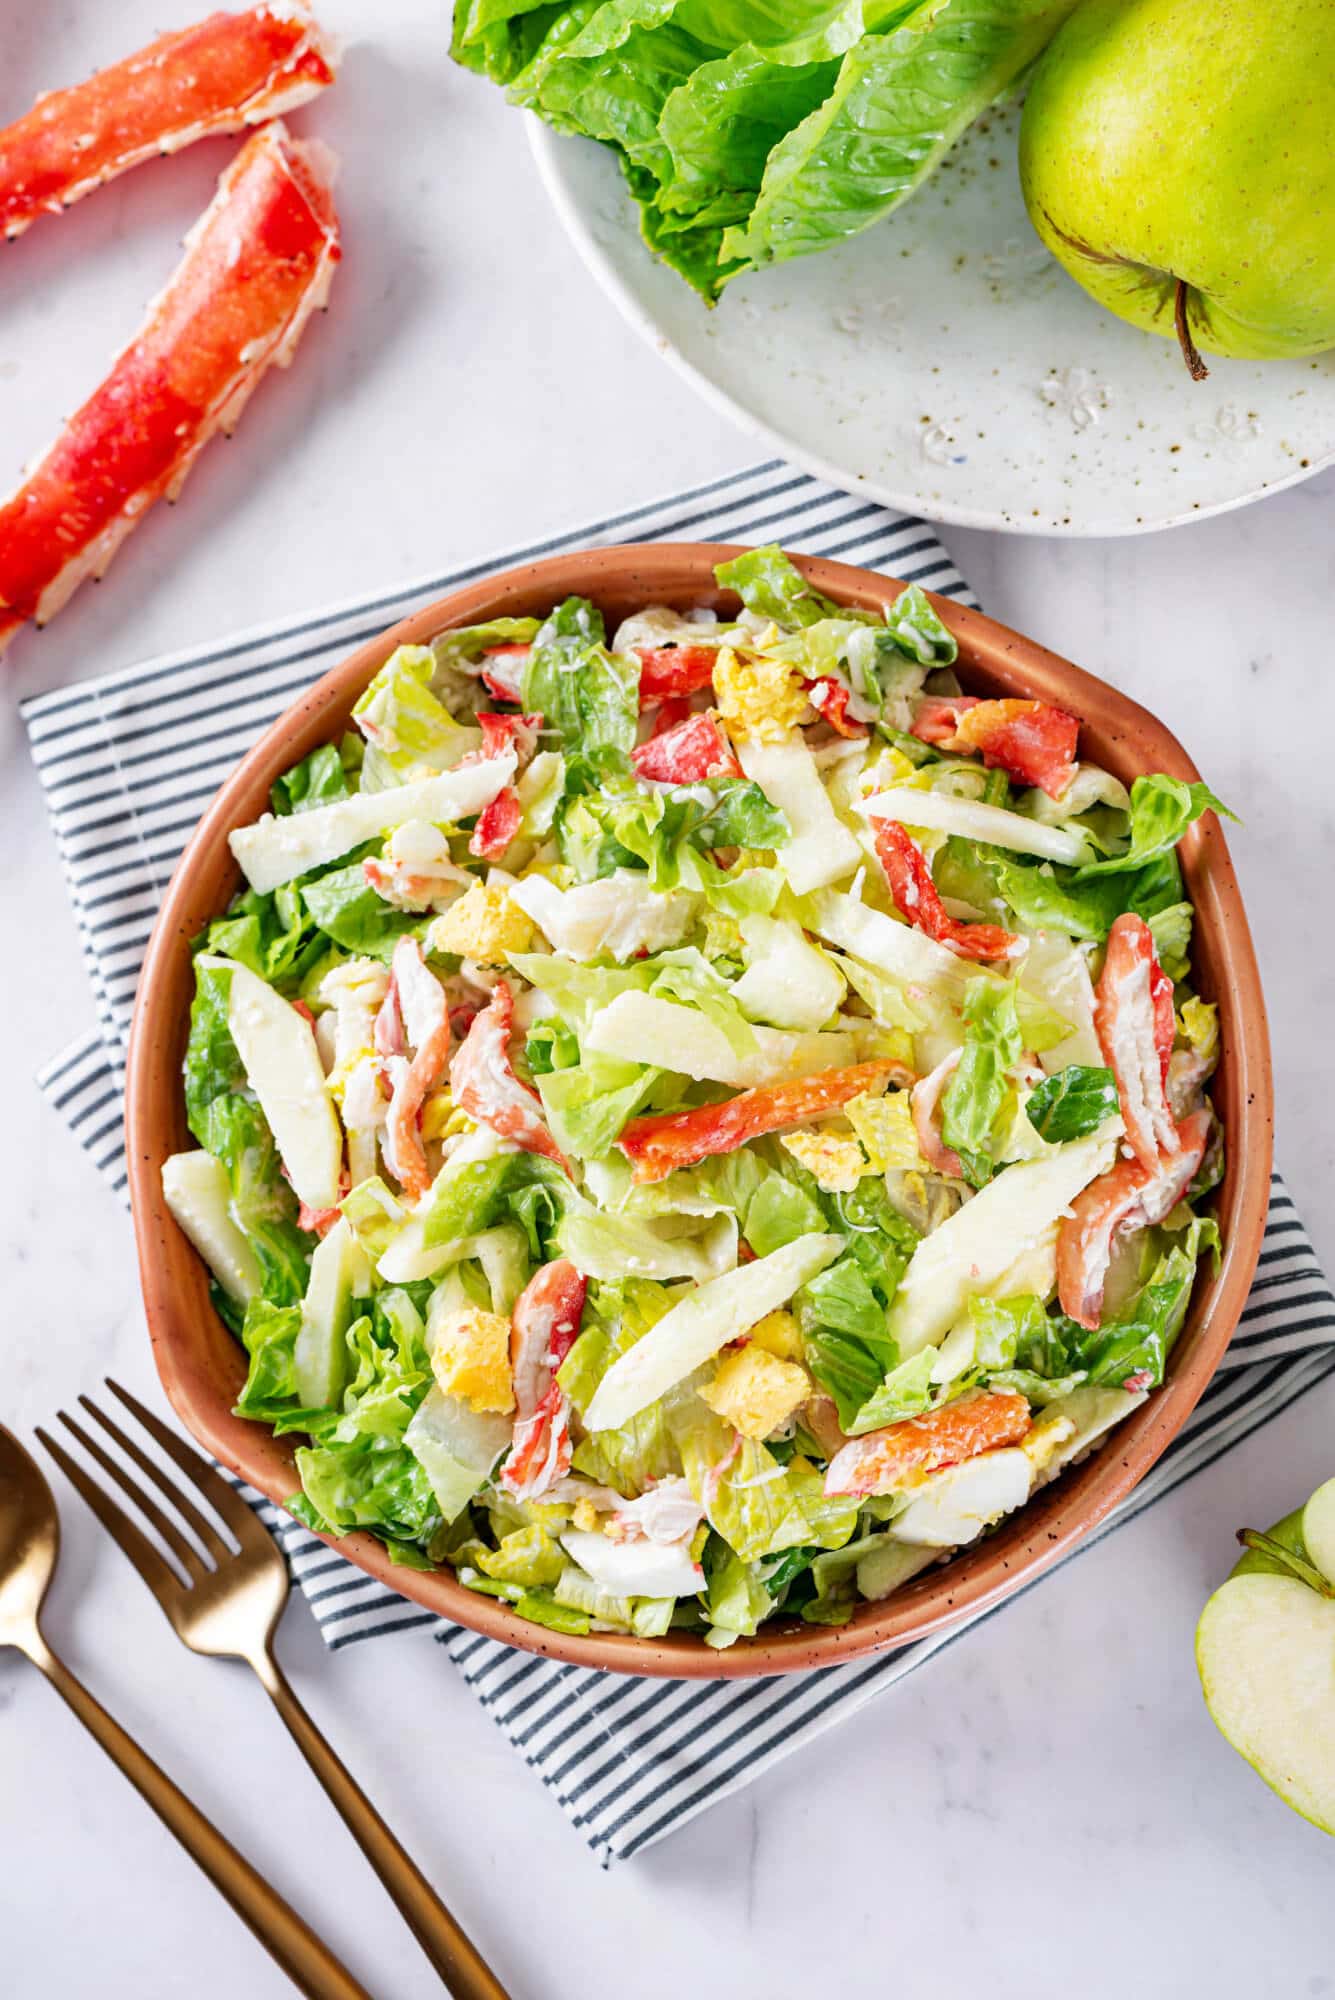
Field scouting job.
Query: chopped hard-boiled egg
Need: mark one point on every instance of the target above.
(441, 1117)
(885, 1127)
(1051, 1430)
(835, 1162)
(1199, 1021)
(953, 1506)
(760, 699)
(586, 1518)
(486, 924)
(755, 1391)
(470, 1358)
(778, 1333)
(891, 767)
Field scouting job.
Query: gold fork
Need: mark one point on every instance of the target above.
(228, 1603)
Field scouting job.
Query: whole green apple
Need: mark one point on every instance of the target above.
(1178, 157)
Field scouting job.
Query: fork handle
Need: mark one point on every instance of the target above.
(465, 1973)
(308, 1963)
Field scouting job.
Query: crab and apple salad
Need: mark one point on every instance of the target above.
(699, 1121)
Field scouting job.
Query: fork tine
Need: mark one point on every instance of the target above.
(157, 1574)
(243, 1521)
(189, 1513)
(189, 1558)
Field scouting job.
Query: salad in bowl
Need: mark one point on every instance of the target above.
(700, 1121)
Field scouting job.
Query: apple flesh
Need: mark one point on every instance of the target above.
(1265, 1650)
(1177, 159)
(1318, 1529)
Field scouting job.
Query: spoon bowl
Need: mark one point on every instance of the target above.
(29, 1541)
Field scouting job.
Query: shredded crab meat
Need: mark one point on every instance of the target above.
(256, 265)
(424, 1027)
(718, 1472)
(502, 671)
(498, 822)
(667, 1512)
(1133, 1018)
(416, 871)
(224, 73)
(1130, 1196)
(830, 698)
(543, 1329)
(485, 1085)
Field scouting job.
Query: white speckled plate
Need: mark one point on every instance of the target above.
(944, 364)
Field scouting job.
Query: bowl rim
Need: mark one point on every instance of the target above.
(175, 1286)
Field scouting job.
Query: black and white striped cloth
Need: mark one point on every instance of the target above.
(129, 762)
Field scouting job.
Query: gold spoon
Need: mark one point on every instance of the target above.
(29, 1545)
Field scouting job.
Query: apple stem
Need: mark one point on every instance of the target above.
(1296, 1565)
(1196, 368)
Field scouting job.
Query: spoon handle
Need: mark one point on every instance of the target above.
(308, 1963)
(463, 1971)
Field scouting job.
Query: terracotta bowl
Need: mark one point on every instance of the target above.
(202, 1366)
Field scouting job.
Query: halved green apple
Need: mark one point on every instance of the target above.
(1265, 1649)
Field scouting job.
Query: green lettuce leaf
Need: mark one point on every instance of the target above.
(590, 696)
(1162, 809)
(770, 584)
(271, 934)
(372, 1484)
(906, 1390)
(736, 1600)
(975, 1097)
(1074, 1101)
(465, 645)
(914, 624)
(408, 731)
(1138, 1339)
(1046, 896)
(645, 1449)
(318, 779)
(588, 1103)
(228, 1122)
(745, 1492)
(348, 910)
(900, 102)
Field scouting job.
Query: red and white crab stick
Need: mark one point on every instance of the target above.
(227, 72)
(257, 264)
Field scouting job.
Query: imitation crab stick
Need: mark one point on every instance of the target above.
(227, 72)
(257, 264)
(656, 1145)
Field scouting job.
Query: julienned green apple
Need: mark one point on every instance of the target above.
(1265, 1647)
(1178, 157)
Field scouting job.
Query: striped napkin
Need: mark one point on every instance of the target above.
(129, 762)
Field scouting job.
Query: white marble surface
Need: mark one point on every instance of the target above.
(1045, 1809)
